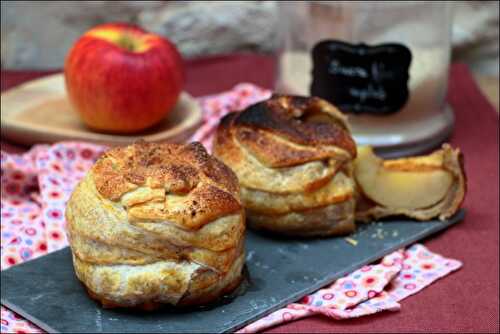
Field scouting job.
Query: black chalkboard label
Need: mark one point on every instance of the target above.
(361, 78)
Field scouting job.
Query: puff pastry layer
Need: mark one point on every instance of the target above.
(157, 223)
(293, 157)
(302, 174)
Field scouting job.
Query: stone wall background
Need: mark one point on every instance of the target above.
(37, 34)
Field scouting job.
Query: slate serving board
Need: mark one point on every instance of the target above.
(46, 291)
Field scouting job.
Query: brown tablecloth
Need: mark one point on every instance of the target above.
(465, 301)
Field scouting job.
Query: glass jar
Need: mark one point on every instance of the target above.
(424, 28)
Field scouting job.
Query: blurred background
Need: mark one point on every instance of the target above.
(35, 35)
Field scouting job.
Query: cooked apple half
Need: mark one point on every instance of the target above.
(419, 187)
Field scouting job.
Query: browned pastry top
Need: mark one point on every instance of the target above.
(157, 223)
(201, 188)
(291, 130)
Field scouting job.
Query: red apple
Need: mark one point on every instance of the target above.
(123, 79)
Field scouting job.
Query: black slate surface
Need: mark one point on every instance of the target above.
(46, 291)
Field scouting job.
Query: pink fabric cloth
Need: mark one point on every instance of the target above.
(37, 184)
(371, 289)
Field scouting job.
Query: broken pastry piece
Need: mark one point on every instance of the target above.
(301, 174)
(421, 187)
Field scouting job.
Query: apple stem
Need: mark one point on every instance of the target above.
(126, 42)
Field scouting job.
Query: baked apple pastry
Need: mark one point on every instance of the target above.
(422, 187)
(157, 223)
(301, 173)
(293, 157)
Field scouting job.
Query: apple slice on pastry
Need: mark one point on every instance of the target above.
(421, 187)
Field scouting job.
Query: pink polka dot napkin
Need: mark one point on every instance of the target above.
(36, 185)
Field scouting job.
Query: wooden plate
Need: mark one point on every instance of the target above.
(38, 111)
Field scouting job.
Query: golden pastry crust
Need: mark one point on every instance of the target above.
(293, 157)
(339, 189)
(334, 219)
(308, 121)
(157, 223)
(173, 169)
